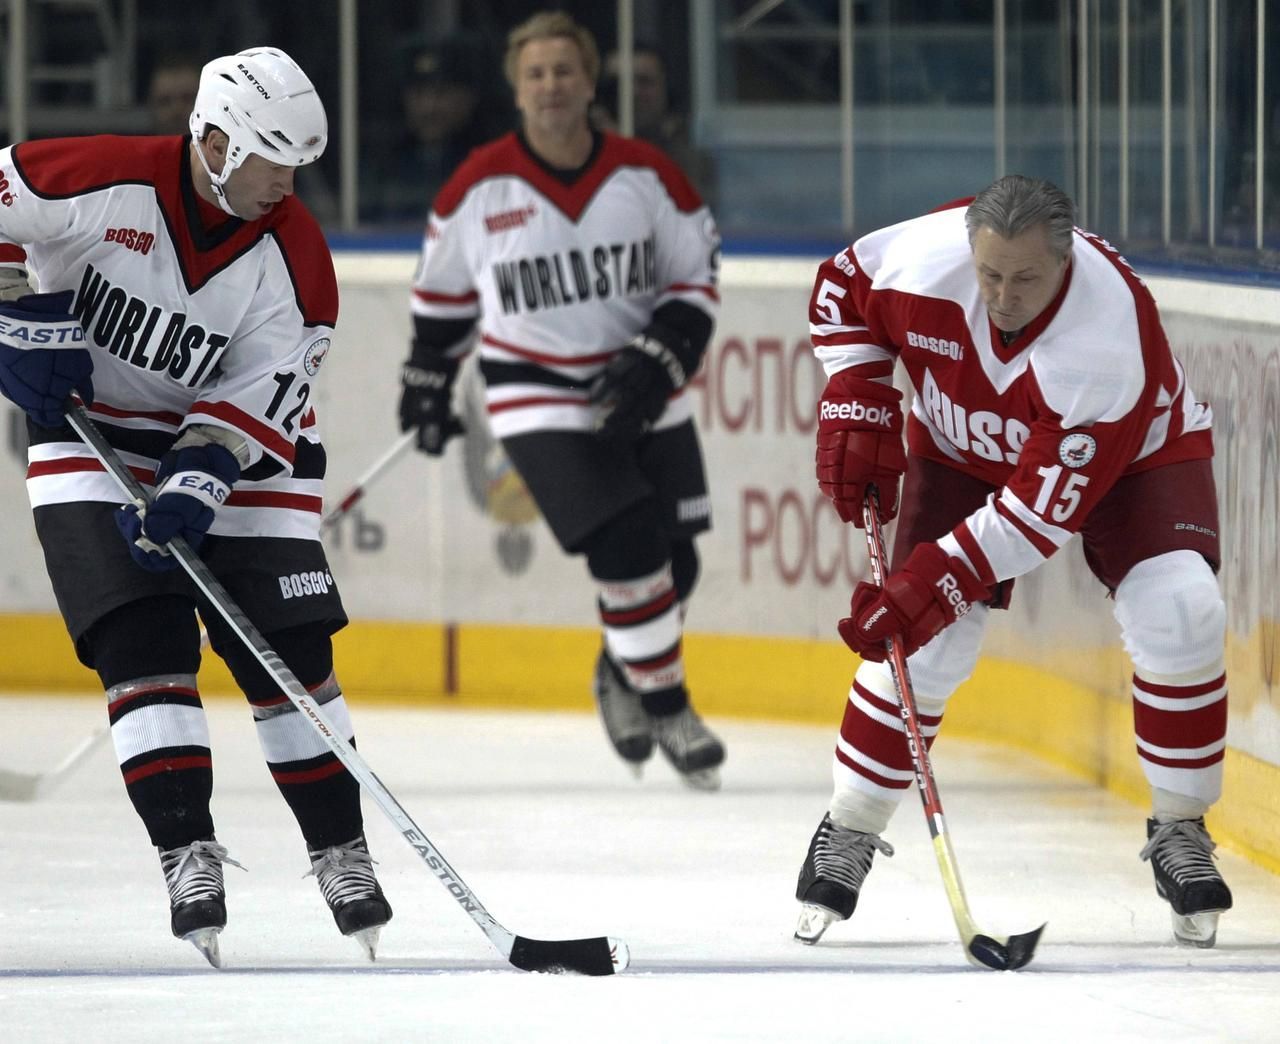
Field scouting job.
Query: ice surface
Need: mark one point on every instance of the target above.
(555, 837)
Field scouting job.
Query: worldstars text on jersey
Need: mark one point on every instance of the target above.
(550, 281)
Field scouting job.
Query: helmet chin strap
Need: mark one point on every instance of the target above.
(216, 181)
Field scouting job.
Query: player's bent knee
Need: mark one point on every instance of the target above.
(307, 651)
(684, 567)
(1173, 618)
(947, 662)
(144, 639)
(631, 544)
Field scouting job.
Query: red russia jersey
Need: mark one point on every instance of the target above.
(191, 317)
(1089, 391)
(561, 275)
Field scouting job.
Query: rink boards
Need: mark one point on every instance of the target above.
(458, 594)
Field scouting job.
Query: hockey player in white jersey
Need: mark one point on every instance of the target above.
(188, 300)
(590, 264)
(1047, 403)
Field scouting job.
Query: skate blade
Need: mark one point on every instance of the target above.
(814, 920)
(368, 940)
(707, 779)
(206, 941)
(1199, 929)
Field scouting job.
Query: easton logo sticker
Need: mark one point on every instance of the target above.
(315, 355)
(1077, 449)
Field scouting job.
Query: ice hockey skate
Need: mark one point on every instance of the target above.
(1181, 854)
(691, 747)
(346, 879)
(625, 721)
(832, 876)
(197, 900)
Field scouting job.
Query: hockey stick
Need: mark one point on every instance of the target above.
(357, 492)
(985, 950)
(27, 786)
(598, 956)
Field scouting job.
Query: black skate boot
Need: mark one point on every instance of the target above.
(1181, 854)
(691, 747)
(197, 900)
(832, 876)
(625, 722)
(345, 876)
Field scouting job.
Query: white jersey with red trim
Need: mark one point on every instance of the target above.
(1088, 392)
(191, 317)
(561, 274)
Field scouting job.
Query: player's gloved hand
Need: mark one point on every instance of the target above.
(425, 401)
(43, 356)
(632, 390)
(860, 444)
(931, 591)
(191, 483)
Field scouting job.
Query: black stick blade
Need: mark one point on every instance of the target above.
(598, 956)
(1005, 956)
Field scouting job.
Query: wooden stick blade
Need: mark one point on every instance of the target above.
(1014, 953)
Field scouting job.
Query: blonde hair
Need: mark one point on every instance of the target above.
(547, 25)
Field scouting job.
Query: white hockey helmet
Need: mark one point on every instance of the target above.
(265, 104)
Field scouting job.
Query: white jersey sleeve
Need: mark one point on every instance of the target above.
(262, 386)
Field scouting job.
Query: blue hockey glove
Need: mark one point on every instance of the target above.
(43, 356)
(191, 483)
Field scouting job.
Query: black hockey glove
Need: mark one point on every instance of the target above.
(425, 401)
(632, 390)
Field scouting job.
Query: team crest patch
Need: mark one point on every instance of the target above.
(1077, 449)
(316, 353)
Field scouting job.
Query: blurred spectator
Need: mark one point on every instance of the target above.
(171, 93)
(656, 120)
(448, 109)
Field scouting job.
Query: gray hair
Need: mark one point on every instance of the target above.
(1016, 203)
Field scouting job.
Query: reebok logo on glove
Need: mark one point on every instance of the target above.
(857, 411)
(871, 620)
(950, 588)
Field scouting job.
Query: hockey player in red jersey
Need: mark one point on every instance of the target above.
(1047, 403)
(590, 264)
(189, 299)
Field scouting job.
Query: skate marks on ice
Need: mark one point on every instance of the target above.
(537, 811)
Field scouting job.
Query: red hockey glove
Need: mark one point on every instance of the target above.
(860, 444)
(931, 591)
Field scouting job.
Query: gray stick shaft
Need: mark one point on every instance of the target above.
(28, 786)
(356, 493)
(244, 629)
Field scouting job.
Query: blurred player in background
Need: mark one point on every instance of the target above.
(590, 263)
(656, 120)
(189, 300)
(1047, 403)
(171, 94)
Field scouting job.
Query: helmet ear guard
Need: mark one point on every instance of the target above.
(265, 104)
